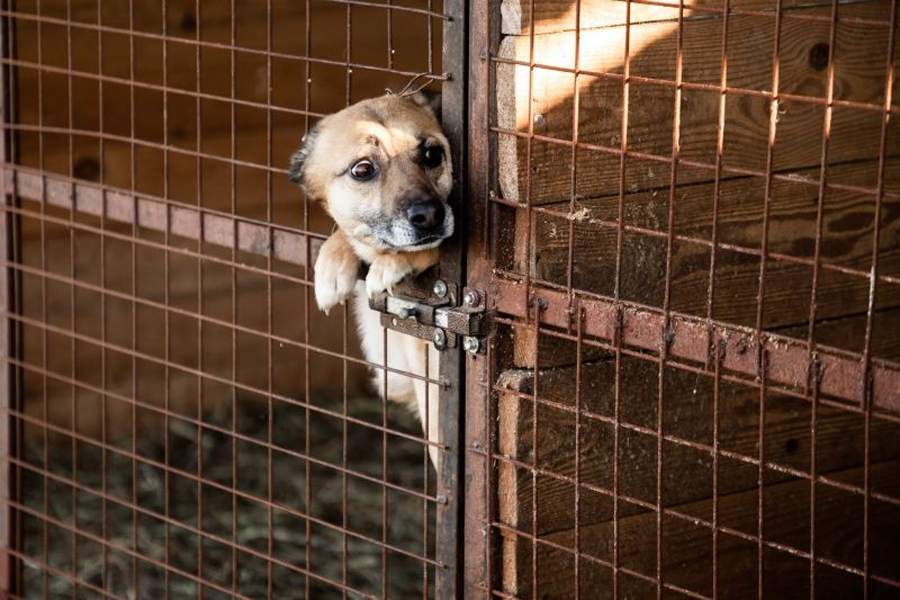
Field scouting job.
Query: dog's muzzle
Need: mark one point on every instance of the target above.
(424, 225)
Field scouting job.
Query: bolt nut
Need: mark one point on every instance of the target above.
(471, 298)
(440, 288)
(472, 345)
(440, 339)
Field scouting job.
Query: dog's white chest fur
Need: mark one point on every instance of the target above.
(408, 360)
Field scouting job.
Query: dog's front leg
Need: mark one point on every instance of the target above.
(337, 269)
(389, 269)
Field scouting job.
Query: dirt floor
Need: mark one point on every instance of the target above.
(243, 519)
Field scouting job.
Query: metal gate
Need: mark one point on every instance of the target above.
(179, 419)
(685, 216)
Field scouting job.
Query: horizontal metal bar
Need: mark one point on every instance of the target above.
(157, 214)
(697, 339)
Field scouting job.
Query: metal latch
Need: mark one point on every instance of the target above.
(433, 309)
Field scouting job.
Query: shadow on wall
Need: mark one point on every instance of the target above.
(544, 103)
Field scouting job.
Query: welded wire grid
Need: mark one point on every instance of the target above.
(185, 422)
(692, 217)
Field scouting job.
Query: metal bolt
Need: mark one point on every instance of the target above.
(440, 288)
(440, 339)
(471, 344)
(406, 312)
(471, 298)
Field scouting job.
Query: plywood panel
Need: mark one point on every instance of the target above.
(860, 58)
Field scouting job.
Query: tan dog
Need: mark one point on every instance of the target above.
(382, 167)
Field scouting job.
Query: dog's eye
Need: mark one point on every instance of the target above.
(433, 156)
(363, 170)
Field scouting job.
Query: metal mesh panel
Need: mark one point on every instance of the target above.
(687, 215)
(184, 421)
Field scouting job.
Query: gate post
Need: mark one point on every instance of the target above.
(453, 115)
(477, 422)
(9, 240)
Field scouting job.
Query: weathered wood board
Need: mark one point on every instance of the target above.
(688, 415)
(552, 16)
(183, 347)
(182, 94)
(561, 15)
(687, 548)
(860, 59)
(847, 229)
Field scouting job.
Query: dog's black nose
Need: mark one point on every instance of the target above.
(426, 215)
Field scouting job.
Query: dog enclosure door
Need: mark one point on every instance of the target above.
(685, 216)
(177, 417)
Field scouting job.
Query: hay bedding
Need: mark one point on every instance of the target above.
(220, 510)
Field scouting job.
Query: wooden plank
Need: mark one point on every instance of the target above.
(688, 416)
(859, 76)
(178, 124)
(847, 242)
(687, 547)
(215, 357)
(552, 16)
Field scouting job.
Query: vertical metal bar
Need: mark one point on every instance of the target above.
(270, 327)
(579, 357)
(813, 375)
(477, 423)
(761, 475)
(135, 233)
(761, 354)
(307, 275)
(454, 113)
(167, 401)
(667, 295)
(573, 180)
(8, 305)
(45, 402)
(617, 292)
(872, 298)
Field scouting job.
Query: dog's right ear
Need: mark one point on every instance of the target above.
(298, 160)
(429, 99)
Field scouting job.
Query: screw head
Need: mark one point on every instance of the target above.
(440, 288)
(471, 298)
(471, 345)
(440, 339)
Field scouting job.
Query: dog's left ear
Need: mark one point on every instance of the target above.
(295, 172)
(430, 100)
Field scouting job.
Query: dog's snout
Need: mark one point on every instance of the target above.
(427, 214)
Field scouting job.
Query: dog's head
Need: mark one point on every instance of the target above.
(382, 167)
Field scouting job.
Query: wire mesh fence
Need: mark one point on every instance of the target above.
(182, 420)
(687, 217)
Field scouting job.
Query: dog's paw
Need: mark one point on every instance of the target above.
(335, 277)
(386, 271)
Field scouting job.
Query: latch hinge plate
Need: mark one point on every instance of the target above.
(432, 309)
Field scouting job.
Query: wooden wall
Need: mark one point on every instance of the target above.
(204, 137)
(540, 172)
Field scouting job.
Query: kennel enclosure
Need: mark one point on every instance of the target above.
(681, 217)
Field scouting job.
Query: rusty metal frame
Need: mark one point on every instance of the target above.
(452, 267)
(9, 240)
(188, 229)
(853, 382)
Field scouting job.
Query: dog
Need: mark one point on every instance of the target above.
(382, 168)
